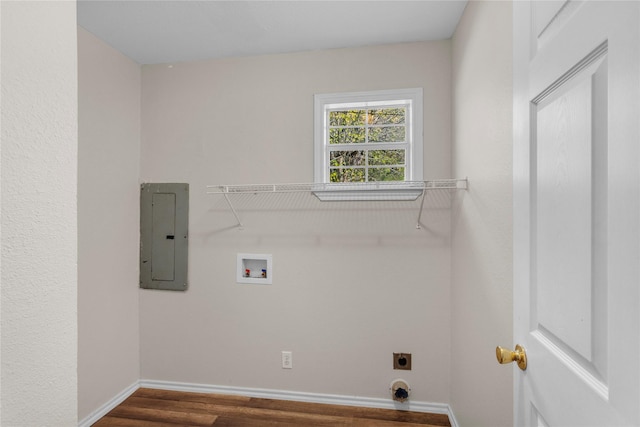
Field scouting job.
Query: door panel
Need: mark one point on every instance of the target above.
(577, 212)
(569, 216)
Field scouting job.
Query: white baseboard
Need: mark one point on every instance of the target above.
(452, 418)
(107, 407)
(333, 399)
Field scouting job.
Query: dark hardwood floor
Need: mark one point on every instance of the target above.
(162, 408)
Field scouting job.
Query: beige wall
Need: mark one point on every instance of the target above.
(481, 296)
(108, 222)
(39, 106)
(343, 298)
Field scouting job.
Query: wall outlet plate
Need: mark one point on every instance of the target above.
(402, 361)
(287, 360)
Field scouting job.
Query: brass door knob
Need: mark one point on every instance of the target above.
(519, 356)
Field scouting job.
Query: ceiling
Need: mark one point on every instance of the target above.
(160, 31)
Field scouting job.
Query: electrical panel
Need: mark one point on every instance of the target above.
(164, 237)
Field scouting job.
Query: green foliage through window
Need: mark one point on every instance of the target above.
(353, 135)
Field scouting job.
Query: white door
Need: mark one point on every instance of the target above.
(576, 212)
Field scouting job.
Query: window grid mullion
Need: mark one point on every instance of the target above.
(368, 146)
(397, 125)
(366, 165)
(366, 129)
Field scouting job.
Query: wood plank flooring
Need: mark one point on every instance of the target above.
(163, 408)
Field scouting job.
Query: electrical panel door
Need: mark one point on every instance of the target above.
(164, 222)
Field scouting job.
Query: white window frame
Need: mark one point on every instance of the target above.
(414, 144)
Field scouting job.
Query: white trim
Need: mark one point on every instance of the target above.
(415, 147)
(297, 396)
(110, 405)
(452, 418)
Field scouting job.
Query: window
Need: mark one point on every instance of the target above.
(368, 136)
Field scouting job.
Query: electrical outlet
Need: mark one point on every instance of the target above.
(402, 361)
(287, 360)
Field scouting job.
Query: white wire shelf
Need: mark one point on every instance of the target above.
(345, 192)
(345, 187)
